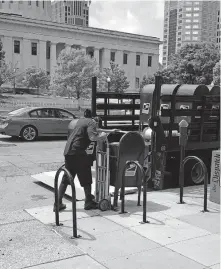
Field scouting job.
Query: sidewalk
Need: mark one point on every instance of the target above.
(179, 236)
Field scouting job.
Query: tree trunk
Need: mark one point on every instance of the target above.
(78, 100)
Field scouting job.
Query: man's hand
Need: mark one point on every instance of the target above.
(102, 136)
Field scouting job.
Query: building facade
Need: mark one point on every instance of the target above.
(71, 12)
(189, 22)
(29, 42)
(40, 9)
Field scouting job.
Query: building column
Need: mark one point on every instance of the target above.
(42, 56)
(8, 48)
(26, 53)
(84, 49)
(53, 60)
(106, 58)
(119, 57)
(68, 47)
(97, 55)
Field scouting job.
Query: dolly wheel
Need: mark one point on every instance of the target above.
(104, 205)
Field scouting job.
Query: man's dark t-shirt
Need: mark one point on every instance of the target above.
(79, 138)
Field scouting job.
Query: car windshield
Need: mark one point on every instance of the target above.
(18, 111)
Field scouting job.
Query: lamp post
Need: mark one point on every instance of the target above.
(108, 83)
(14, 79)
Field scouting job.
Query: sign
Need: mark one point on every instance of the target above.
(90, 149)
(146, 108)
(215, 177)
(131, 171)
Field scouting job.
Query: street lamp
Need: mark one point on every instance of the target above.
(108, 83)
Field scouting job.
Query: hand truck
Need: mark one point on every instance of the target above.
(102, 194)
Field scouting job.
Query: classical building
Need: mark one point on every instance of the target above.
(40, 9)
(189, 22)
(71, 12)
(28, 42)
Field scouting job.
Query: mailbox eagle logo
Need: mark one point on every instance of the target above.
(146, 108)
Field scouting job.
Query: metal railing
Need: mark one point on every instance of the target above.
(74, 213)
(144, 181)
(205, 173)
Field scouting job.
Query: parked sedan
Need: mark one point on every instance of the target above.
(32, 122)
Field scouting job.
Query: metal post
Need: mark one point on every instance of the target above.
(93, 99)
(182, 141)
(205, 190)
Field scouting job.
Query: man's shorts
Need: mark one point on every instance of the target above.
(79, 165)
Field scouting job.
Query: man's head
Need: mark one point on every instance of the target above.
(98, 121)
(87, 113)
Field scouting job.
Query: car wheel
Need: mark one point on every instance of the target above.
(29, 133)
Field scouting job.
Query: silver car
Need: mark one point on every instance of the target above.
(32, 122)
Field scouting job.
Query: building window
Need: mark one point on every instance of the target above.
(196, 8)
(48, 52)
(195, 32)
(217, 26)
(188, 15)
(36, 3)
(43, 3)
(196, 3)
(187, 37)
(180, 21)
(180, 9)
(179, 33)
(195, 38)
(218, 13)
(179, 39)
(179, 45)
(164, 58)
(11, 2)
(125, 58)
(16, 46)
(149, 60)
(180, 16)
(29, 3)
(187, 27)
(195, 26)
(196, 14)
(138, 60)
(189, 3)
(137, 83)
(188, 9)
(179, 27)
(112, 56)
(195, 20)
(33, 48)
(188, 20)
(3, 1)
(187, 33)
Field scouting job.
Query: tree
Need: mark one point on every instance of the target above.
(147, 80)
(4, 70)
(74, 73)
(36, 78)
(216, 74)
(118, 79)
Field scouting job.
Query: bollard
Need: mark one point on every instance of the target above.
(182, 141)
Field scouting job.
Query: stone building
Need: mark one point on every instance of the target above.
(29, 42)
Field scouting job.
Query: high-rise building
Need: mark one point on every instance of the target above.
(40, 9)
(71, 12)
(189, 22)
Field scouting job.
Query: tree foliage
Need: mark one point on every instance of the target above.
(118, 79)
(74, 72)
(4, 70)
(35, 78)
(192, 64)
(216, 74)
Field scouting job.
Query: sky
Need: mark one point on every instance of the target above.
(143, 17)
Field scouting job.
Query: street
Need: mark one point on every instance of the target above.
(18, 161)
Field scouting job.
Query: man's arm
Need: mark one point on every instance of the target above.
(93, 133)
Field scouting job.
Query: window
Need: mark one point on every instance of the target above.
(195, 38)
(33, 48)
(196, 3)
(125, 58)
(137, 83)
(165, 36)
(188, 15)
(164, 58)
(43, 3)
(149, 60)
(188, 20)
(179, 45)
(16, 46)
(180, 16)
(195, 20)
(179, 33)
(63, 114)
(180, 9)
(195, 32)
(48, 52)
(36, 3)
(196, 8)
(29, 3)
(196, 26)
(196, 14)
(217, 26)
(112, 56)
(188, 8)
(180, 21)
(3, 1)
(138, 60)
(11, 2)
(187, 33)
(187, 27)
(187, 37)
(179, 39)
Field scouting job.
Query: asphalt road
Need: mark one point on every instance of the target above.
(18, 161)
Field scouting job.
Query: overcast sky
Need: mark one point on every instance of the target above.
(143, 17)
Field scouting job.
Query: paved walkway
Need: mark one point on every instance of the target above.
(179, 236)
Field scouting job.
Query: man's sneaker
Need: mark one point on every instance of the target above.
(90, 205)
(61, 207)
(92, 197)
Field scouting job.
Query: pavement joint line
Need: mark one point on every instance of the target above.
(77, 255)
(19, 221)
